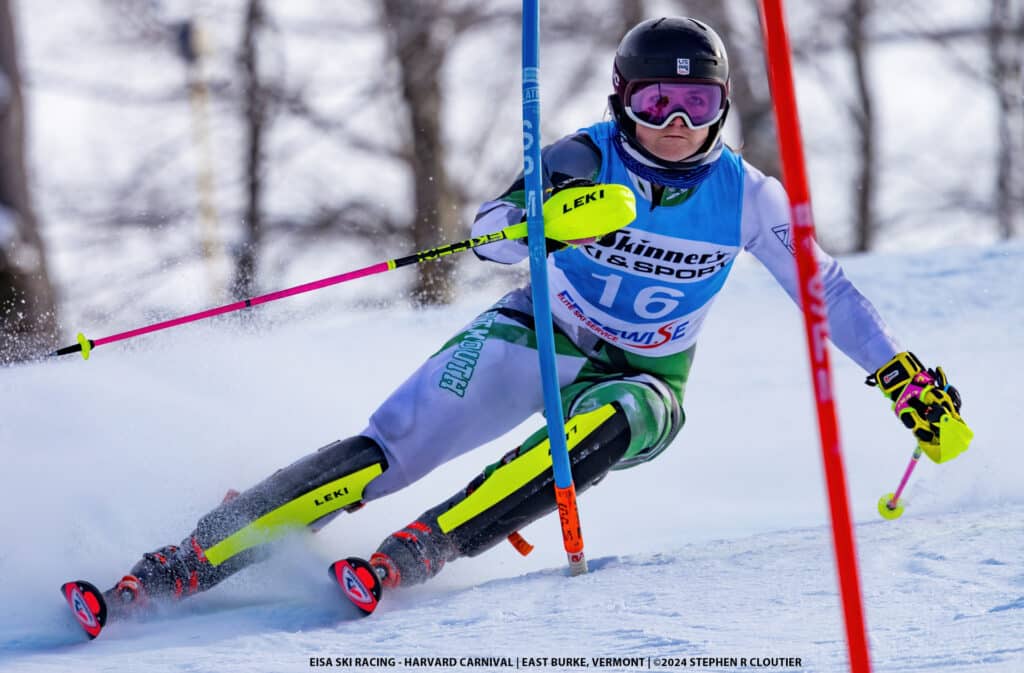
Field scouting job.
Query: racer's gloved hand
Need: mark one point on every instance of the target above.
(561, 182)
(926, 404)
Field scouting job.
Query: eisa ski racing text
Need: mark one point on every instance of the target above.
(427, 662)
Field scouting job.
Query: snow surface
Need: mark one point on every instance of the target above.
(720, 548)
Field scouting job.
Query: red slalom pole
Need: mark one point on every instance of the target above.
(812, 299)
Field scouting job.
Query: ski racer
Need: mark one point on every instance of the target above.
(627, 309)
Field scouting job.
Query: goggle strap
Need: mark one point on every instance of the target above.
(678, 113)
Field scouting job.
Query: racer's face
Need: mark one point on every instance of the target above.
(675, 142)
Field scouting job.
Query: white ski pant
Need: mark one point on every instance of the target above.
(482, 384)
(472, 391)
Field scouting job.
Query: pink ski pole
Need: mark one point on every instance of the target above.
(889, 505)
(85, 345)
(574, 215)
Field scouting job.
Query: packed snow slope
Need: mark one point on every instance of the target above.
(720, 549)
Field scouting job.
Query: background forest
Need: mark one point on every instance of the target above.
(160, 156)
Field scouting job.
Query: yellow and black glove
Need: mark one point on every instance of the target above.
(926, 404)
(562, 182)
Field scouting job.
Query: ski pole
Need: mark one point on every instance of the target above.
(577, 213)
(889, 505)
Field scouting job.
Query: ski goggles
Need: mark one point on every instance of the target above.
(656, 104)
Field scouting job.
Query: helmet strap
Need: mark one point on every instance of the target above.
(622, 120)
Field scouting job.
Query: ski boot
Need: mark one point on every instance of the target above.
(412, 555)
(165, 575)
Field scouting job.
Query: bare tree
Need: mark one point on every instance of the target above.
(255, 108)
(1007, 81)
(419, 34)
(27, 306)
(751, 98)
(1004, 74)
(862, 110)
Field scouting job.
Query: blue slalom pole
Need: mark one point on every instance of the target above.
(565, 491)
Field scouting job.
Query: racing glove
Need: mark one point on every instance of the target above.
(927, 405)
(562, 181)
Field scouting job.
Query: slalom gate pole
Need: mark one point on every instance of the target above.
(812, 300)
(565, 490)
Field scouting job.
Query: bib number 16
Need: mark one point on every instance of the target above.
(651, 302)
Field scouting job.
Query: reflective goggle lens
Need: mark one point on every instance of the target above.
(656, 103)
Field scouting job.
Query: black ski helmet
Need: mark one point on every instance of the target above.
(669, 48)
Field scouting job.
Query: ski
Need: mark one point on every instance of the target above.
(359, 583)
(87, 605)
(355, 577)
